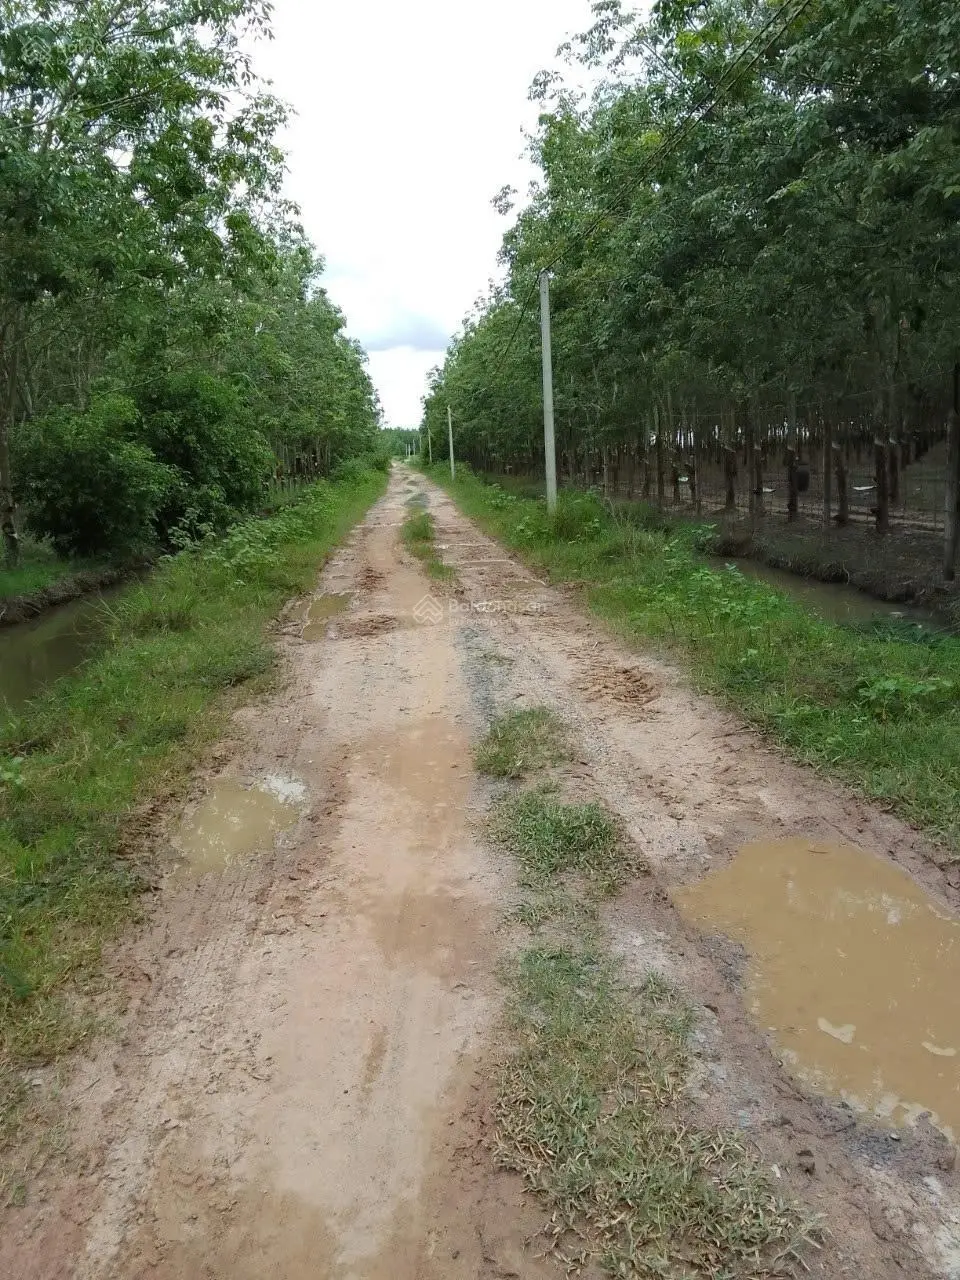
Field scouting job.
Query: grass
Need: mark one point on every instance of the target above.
(419, 537)
(39, 567)
(522, 742)
(590, 1113)
(81, 767)
(874, 707)
(550, 837)
(591, 1106)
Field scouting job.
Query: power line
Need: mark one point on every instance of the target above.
(735, 72)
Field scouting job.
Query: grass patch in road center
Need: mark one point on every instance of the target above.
(419, 537)
(549, 837)
(871, 706)
(81, 765)
(522, 742)
(590, 1114)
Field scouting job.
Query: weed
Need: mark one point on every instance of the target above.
(522, 742)
(419, 536)
(590, 1113)
(549, 837)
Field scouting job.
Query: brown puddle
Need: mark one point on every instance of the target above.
(321, 610)
(853, 969)
(234, 822)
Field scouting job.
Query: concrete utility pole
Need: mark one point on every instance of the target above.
(453, 465)
(430, 445)
(549, 442)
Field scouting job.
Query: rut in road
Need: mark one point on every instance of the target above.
(301, 1085)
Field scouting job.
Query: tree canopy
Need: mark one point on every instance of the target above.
(753, 219)
(159, 303)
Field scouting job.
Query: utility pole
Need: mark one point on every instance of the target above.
(430, 444)
(453, 465)
(549, 442)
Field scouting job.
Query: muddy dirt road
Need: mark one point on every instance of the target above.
(299, 1084)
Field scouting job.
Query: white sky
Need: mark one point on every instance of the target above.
(409, 120)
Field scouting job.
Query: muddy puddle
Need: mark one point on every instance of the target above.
(321, 610)
(853, 971)
(233, 822)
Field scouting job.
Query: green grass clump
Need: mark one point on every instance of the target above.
(873, 707)
(419, 537)
(590, 1114)
(521, 743)
(39, 566)
(81, 763)
(549, 838)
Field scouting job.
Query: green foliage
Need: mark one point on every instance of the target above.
(87, 483)
(549, 837)
(797, 242)
(144, 246)
(591, 1114)
(194, 423)
(419, 537)
(82, 761)
(879, 710)
(522, 742)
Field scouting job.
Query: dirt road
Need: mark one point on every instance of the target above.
(299, 1085)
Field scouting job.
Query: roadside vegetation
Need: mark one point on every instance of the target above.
(591, 1106)
(419, 537)
(876, 706)
(82, 768)
(522, 742)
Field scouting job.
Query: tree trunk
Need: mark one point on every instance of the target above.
(894, 473)
(730, 475)
(952, 538)
(843, 491)
(757, 481)
(695, 470)
(827, 470)
(661, 479)
(749, 448)
(793, 488)
(881, 475)
(8, 406)
(606, 471)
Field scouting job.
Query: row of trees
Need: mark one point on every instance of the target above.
(165, 346)
(753, 227)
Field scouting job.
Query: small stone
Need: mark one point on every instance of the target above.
(947, 1160)
(806, 1161)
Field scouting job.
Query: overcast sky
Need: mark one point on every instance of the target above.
(409, 119)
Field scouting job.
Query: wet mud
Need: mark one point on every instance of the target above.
(853, 972)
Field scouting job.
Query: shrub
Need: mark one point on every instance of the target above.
(195, 424)
(87, 483)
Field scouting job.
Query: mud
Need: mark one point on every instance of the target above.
(233, 822)
(298, 1085)
(853, 973)
(321, 610)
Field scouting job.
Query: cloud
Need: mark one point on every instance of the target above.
(409, 118)
(400, 375)
(415, 333)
